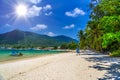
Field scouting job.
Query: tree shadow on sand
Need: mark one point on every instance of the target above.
(102, 63)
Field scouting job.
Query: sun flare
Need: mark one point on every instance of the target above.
(21, 10)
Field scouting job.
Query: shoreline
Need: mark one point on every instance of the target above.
(25, 65)
(28, 58)
(65, 66)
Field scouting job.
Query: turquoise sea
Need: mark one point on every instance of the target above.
(5, 54)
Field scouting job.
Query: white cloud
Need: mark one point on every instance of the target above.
(34, 1)
(34, 11)
(76, 12)
(39, 27)
(7, 25)
(47, 7)
(47, 10)
(48, 14)
(50, 34)
(69, 27)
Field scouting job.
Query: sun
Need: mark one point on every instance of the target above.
(21, 10)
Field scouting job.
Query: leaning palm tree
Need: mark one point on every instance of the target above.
(81, 35)
(94, 33)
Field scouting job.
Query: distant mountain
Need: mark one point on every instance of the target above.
(25, 38)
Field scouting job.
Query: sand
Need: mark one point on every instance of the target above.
(65, 66)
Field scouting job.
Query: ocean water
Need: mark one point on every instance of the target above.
(5, 54)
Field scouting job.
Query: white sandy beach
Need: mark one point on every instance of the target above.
(66, 66)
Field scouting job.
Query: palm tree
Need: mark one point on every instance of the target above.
(94, 33)
(82, 39)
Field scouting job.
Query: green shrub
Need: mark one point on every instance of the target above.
(115, 53)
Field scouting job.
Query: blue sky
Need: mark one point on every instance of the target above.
(50, 17)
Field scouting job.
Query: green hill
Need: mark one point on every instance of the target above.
(25, 38)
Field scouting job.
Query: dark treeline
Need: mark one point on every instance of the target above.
(102, 32)
(72, 45)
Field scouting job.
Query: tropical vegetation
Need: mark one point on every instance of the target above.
(72, 45)
(24, 39)
(102, 32)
